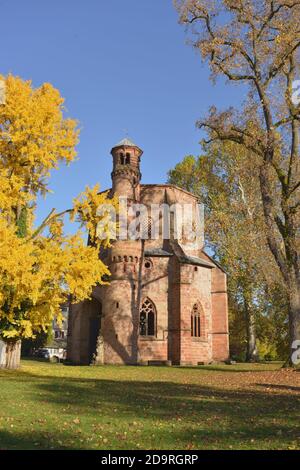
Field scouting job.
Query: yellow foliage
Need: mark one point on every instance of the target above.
(86, 207)
(34, 138)
(38, 271)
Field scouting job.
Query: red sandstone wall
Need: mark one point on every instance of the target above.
(78, 348)
(173, 288)
(195, 288)
(120, 323)
(219, 316)
(220, 329)
(73, 346)
(155, 287)
(174, 303)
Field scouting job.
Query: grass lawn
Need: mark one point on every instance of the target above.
(52, 406)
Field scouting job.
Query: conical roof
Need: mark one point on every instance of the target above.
(126, 142)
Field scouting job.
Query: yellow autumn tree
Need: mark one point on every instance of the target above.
(41, 267)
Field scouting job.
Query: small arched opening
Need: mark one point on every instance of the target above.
(95, 312)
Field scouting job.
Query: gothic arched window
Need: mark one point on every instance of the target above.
(147, 319)
(195, 322)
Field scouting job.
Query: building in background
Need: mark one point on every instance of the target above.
(60, 332)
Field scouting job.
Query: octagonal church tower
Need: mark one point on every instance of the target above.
(126, 175)
(166, 302)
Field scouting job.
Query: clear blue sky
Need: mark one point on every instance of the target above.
(120, 65)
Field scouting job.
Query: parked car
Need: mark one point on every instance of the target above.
(51, 354)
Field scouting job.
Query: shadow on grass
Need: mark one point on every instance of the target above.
(207, 414)
(37, 440)
(239, 368)
(279, 387)
(215, 437)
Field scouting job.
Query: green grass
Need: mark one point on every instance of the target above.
(52, 406)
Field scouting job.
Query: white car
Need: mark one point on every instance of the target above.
(52, 354)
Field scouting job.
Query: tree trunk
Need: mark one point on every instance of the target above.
(136, 319)
(294, 325)
(10, 354)
(252, 353)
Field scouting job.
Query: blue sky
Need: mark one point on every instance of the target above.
(120, 65)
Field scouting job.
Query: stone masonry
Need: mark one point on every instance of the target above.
(167, 300)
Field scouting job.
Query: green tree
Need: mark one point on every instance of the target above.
(226, 181)
(41, 339)
(257, 43)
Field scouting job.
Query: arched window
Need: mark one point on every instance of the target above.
(127, 160)
(122, 158)
(195, 322)
(147, 319)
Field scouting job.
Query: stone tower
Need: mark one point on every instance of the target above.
(126, 178)
(126, 175)
(166, 301)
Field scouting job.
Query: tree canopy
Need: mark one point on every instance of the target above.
(41, 266)
(257, 43)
